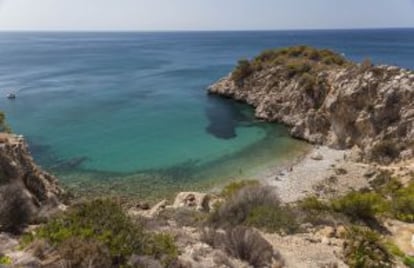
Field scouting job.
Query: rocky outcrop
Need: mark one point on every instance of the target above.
(25, 189)
(340, 105)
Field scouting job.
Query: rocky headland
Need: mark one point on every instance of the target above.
(325, 99)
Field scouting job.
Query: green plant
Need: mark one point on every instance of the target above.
(403, 203)
(242, 71)
(104, 224)
(234, 187)
(360, 206)
(5, 260)
(4, 127)
(364, 248)
(273, 219)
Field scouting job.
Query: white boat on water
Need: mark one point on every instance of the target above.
(11, 96)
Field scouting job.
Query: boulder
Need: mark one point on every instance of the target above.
(192, 200)
(317, 156)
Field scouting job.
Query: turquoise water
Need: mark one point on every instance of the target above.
(127, 112)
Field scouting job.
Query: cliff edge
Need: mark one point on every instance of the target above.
(326, 99)
(25, 190)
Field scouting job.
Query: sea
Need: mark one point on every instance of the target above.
(126, 113)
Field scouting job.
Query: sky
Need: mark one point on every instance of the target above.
(160, 15)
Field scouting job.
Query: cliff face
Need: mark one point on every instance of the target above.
(339, 104)
(25, 189)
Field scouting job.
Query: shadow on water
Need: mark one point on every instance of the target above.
(224, 116)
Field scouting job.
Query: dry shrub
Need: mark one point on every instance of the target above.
(84, 254)
(236, 210)
(243, 243)
(15, 208)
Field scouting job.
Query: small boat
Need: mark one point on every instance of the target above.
(11, 96)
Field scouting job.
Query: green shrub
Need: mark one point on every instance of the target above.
(313, 204)
(242, 71)
(403, 204)
(234, 187)
(4, 260)
(364, 248)
(273, 219)
(103, 223)
(297, 68)
(360, 206)
(4, 127)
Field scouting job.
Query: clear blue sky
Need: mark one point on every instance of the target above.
(149, 15)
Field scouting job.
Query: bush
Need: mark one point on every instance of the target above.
(385, 152)
(15, 208)
(364, 248)
(243, 70)
(243, 243)
(402, 204)
(236, 210)
(102, 223)
(297, 68)
(234, 187)
(360, 206)
(4, 127)
(85, 253)
(273, 219)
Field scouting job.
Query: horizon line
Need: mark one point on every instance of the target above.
(195, 30)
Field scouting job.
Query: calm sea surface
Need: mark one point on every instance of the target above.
(128, 112)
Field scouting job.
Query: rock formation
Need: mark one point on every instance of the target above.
(25, 189)
(325, 99)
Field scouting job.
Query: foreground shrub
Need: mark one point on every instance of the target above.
(360, 206)
(103, 225)
(364, 248)
(403, 203)
(243, 243)
(257, 206)
(273, 219)
(15, 208)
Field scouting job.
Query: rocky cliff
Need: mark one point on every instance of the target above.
(325, 99)
(25, 189)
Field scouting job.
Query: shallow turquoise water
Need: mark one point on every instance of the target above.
(128, 112)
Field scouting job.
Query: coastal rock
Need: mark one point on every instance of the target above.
(193, 200)
(340, 104)
(317, 156)
(26, 191)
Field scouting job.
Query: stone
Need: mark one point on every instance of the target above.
(317, 156)
(192, 200)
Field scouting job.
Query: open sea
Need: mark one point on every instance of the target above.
(127, 113)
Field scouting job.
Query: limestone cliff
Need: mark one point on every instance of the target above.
(25, 189)
(326, 99)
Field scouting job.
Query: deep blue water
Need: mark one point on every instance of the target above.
(114, 105)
